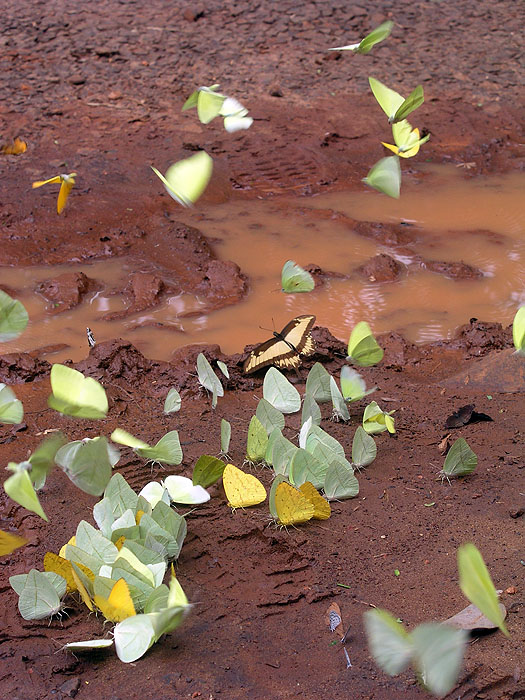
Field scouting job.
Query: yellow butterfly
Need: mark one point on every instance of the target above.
(406, 139)
(321, 506)
(119, 605)
(242, 489)
(66, 185)
(292, 506)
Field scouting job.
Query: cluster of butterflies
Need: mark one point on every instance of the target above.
(117, 570)
(288, 505)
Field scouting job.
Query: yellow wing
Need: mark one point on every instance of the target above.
(9, 542)
(321, 506)
(242, 490)
(51, 180)
(118, 605)
(65, 188)
(62, 567)
(292, 506)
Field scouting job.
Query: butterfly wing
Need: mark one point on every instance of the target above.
(186, 180)
(52, 180)
(389, 100)
(284, 350)
(412, 102)
(68, 182)
(15, 148)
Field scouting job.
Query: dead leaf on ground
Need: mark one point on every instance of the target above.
(471, 618)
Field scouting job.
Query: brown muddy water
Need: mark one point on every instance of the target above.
(447, 216)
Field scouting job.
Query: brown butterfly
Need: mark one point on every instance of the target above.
(285, 348)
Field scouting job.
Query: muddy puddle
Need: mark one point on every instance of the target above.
(442, 219)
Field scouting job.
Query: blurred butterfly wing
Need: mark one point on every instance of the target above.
(412, 102)
(378, 34)
(187, 179)
(389, 100)
(284, 351)
(52, 180)
(385, 176)
(65, 188)
(209, 105)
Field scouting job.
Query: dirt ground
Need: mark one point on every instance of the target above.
(96, 88)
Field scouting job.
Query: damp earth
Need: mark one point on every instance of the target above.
(97, 89)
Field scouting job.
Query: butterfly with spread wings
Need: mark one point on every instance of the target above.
(285, 348)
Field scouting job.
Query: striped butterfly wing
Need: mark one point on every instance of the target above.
(285, 348)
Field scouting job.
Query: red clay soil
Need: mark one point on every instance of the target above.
(96, 88)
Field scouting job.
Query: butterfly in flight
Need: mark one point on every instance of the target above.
(285, 348)
(66, 185)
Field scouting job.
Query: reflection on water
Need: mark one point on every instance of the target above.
(479, 221)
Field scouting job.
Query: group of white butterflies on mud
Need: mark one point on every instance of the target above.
(118, 568)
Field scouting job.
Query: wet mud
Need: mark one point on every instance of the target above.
(97, 89)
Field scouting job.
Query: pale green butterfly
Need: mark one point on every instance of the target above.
(392, 103)
(76, 395)
(18, 582)
(376, 420)
(365, 45)
(477, 586)
(235, 115)
(363, 349)
(226, 434)
(295, 279)
(385, 176)
(208, 102)
(88, 463)
(173, 401)
(20, 489)
(518, 330)
(39, 598)
(340, 481)
(364, 448)
(353, 386)
(406, 139)
(310, 410)
(13, 317)
(339, 408)
(11, 409)
(460, 460)
(257, 441)
(278, 391)
(304, 466)
(43, 458)
(269, 416)
(208, 379)
(279, 478)
(318, 383)
(224, 368)
(182, 490)
(167, 450)
(187, 179)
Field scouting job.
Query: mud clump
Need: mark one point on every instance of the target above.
(454, 270)
(223, 283)
(66, 291)
(19, 367)
(381, 268)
